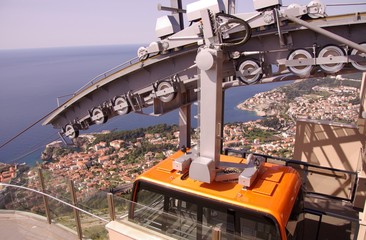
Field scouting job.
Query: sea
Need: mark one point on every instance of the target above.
(32, 79)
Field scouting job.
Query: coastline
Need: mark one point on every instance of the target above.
(112, 160)
(263, 104)
(259, 113)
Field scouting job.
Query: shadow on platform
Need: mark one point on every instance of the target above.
(16, 225)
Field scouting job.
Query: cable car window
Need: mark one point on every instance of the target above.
(150, 199)
(185, 225)
(218, 218)
(255, 227)
(162, 213)
(183, 209)
(148, 212)
(187, 217)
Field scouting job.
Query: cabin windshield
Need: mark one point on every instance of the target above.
(185, 216)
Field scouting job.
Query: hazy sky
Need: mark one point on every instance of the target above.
(54, 23)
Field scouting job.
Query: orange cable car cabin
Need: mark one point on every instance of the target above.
(167, 200)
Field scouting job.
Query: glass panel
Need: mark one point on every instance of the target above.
(185, 225)
(168, 215)
(252, 227)
(181, 219)
(214, 218)
(219, 220)
(149, 213)
(150, 199)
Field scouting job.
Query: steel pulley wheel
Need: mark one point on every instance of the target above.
(249, 72)
(329, 52)
(299, 56)
(165, 87)
(122, 106)
(98, 116)
(360, 65)
(71, 131)
(142, 53)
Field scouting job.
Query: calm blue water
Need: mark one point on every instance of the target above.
(32, 79)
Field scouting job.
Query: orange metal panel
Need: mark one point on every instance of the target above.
(273, 192)
(273, 174)
(264, 187)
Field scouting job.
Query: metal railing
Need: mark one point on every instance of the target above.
(58, 203)
(309, 171)
(61, 201)
(85, 221)
(100, 77)
(54, 198)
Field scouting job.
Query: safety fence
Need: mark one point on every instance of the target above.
(85, 212)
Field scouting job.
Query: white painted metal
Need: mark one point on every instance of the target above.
(262, 4)
(271, 43)
(194, 9)
(165, 91)
(166, 25)
(360, 65)
(98, 116)
(330, 52)
(299, 57)
(121, 106)
(71, 132)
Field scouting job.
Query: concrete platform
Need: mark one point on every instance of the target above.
(16, 225)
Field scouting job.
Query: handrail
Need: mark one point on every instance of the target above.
(345, 4)
(108, 73)
(339, 4)
(287, 161)
(54, 198)
(100, 77)
(306, 165)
